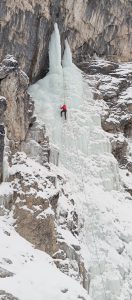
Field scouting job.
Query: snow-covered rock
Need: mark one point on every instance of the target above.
(112, 82)
(35, 274)
(36, 144)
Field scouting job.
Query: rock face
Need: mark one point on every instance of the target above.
(24, 133)
(19, 111)
(91, 27)
(112, 88)
(45, 214)
(36, 144)
(5, 273)
(16, 115)
(16, 109)
(6, 296)
(33, 203)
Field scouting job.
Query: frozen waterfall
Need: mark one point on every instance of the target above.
(81, 142)
(84, 154)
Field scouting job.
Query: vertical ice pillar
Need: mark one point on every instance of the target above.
(55, 51)
(72, 78)
(2, 134)
(5, 158)
(67, 57)
(3, 105)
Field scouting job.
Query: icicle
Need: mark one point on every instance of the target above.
(5, 160)
(55, 51)
(67, 57)
(54, 155)
(5, 168)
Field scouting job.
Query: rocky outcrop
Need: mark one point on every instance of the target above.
(111, 84)
(45, 214)
(91, 27)
(34, 203)
(6, 296)
(36, 144)
(5, 273)
(19, 111)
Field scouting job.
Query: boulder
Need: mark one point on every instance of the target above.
(5, 273)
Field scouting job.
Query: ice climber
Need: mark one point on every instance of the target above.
(64, 110)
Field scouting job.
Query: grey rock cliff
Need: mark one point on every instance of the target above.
(19, 110)
(23, 133)
(112, 86)
(101, 27)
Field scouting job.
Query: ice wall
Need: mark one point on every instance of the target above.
(83, 146)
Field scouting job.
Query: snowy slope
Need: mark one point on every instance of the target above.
(93, 176)
(34, 273)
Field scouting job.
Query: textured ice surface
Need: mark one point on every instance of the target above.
(83, 146)
(93, 179)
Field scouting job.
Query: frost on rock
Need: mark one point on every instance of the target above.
(36, 144)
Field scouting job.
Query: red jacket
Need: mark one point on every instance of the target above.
(64, 107)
